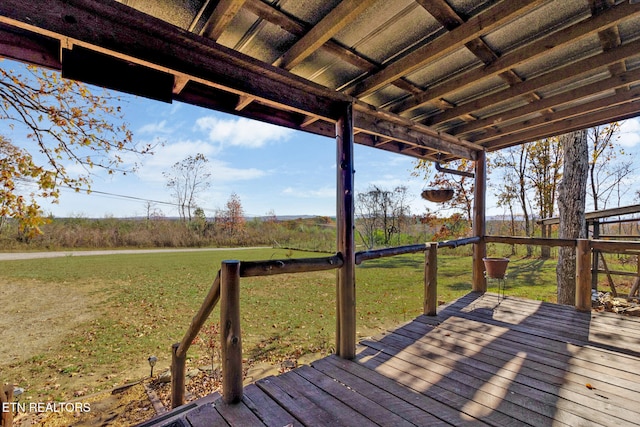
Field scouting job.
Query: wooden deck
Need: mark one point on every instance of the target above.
(482, 361)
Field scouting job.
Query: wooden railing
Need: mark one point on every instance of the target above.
(226, 290)
(585, 267)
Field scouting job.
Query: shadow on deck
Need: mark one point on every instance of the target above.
(481, 361)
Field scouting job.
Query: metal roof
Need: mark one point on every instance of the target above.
(427, 78)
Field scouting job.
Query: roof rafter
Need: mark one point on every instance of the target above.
(583, 121)
(525, 53)
(474, 27)
(221, 16)
(551, 102)
(546, 119)
(334, 21)
(551, 77)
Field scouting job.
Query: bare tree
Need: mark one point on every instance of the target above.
(544, 172)
(571, 204)
(606, 170)
(187, 179)
(514, 186)
(382, 211)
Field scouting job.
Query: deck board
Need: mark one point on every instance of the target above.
(483, 360)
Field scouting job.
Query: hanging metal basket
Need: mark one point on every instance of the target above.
(437, 195)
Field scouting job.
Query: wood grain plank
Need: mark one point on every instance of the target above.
(350, 397)
(265, 408)
(237, 414)
(436, 407)
(494, 404)
(296, 403)
(573, 408)
(412, 412)
(205, 416)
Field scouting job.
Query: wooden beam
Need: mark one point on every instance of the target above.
(548, 119)
(179, 83)
(552, 77)
(334, 21)
(479, 223)
(22, 45)
(444, 45)
(528, 52)
(221, 17)
(345, 218)
(442, 12)
(371, 123)
(621, 112)
(115, 29)
(243, 101)
(552, 102)
(298, 28)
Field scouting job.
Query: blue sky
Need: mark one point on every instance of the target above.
(270, 168)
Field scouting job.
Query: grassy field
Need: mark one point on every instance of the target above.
(76, 325)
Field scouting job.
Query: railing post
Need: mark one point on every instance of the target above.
(346, 285)
(479, 222)
(178, 368)
(6, 399)
(431, 280)
(583, 275)
(231, 336)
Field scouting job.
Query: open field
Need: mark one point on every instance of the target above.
(76, 325)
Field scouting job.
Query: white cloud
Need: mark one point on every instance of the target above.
(222, 172)
(168, 155)
(630, 133)
(241, 132)
(155, 128)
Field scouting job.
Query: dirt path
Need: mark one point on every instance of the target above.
(9, 256)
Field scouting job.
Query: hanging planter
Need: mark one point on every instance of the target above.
(496, 268)
(437, 195)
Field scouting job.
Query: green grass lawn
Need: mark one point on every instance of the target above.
(100, 317)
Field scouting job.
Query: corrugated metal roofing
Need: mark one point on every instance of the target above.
(489, 73)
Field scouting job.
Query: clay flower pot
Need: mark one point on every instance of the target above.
(496, 268)
(438, 195)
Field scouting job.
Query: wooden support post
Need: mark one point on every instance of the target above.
(636, 283)
(583, 275)
(479, 225)
(6, 398)
(346, 285)
(595, 254)
(178, 372)
(231, 336)
(431, 280)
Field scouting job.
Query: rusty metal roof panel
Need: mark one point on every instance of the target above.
(458, 62)
(560, 57)
(549, 17)
(324, 68)
(401, 26)
(445, 64)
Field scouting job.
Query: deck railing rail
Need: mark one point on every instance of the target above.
(225, 289)
(585, 268)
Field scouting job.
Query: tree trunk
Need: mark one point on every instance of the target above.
(571, 204)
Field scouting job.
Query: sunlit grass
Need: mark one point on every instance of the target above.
(141, 304)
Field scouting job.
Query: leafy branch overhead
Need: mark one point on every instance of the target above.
(56, 123)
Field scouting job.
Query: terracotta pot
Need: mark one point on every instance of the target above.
(495, 267)
(438, 195)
